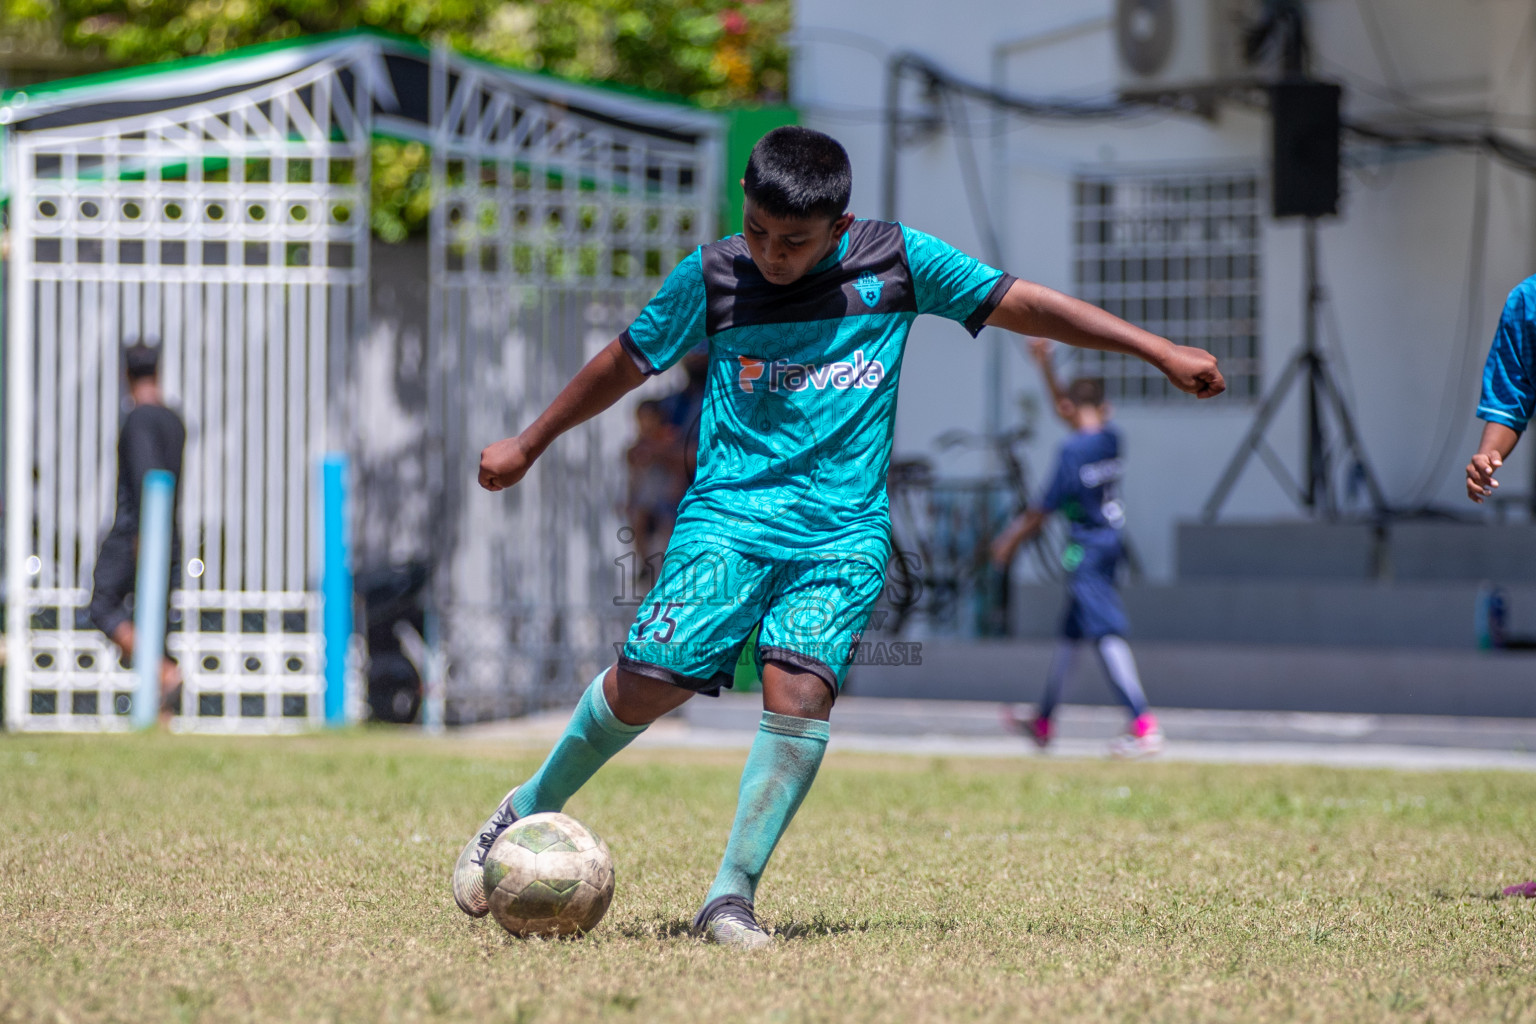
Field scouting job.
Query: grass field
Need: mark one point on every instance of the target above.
(165, 878)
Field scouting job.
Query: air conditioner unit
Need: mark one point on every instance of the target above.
(1172, 44)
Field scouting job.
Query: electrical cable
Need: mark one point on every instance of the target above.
(1058, 108)
(1414, 105)
(1379, 47)
(1489, 145)
(1520, 53)
(975, 195)
(1512, 154)
(1516, 155)
(1043, 109)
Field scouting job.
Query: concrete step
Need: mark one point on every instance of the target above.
(973, 729)
(960, 719)
(1312, 613)
(1405, 551)
(1220, 677)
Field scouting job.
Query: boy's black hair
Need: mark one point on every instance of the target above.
(1087, 391)
(650, 405)
(141, 358)
(797, 172)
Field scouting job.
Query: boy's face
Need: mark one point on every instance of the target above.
(786, 248)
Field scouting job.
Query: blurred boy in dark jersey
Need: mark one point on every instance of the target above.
(1085, 490)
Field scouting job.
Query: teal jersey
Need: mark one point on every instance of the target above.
(795, 434)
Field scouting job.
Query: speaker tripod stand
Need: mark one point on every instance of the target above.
(1316, 494)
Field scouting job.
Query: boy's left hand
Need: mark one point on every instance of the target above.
(1193, 371)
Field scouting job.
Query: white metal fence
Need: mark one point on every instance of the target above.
(233, 226)
(556, 222)
(234, 232)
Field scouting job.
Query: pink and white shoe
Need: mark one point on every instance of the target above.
(1526, 889)
(1035, 727)
(1143, 738)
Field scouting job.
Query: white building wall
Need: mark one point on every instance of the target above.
(1409, 315)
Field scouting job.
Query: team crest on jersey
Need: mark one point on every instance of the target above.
(868, 286)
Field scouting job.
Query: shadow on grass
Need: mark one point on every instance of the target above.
(677, 928)
(817, 927)
(682, 928)
(1446, 896)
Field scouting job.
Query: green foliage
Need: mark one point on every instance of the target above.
(714, 52)
(401, 186)
(12, 11)
(711, 52)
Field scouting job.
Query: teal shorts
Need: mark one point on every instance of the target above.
(812, 607)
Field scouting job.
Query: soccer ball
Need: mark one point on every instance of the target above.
(549, 874)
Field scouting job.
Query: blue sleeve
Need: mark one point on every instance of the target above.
(1507, 385)
(950, 284)
(673, 321)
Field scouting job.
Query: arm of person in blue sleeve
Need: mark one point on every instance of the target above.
(1508, 392)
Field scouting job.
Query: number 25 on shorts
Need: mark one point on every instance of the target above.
(659, 615)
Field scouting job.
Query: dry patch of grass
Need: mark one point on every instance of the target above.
(166, 878)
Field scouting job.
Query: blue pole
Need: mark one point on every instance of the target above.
(150, 593)
(335, 585)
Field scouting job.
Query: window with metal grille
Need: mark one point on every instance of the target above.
(1178, 254)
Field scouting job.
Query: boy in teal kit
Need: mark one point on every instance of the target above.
(786, 525)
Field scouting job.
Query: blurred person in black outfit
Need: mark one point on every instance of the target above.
(662, 463)
(658, 476)
(151, 437)
(683, 409)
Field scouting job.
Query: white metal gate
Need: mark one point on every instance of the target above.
(559, 212)
(234, 231)
(222, 208)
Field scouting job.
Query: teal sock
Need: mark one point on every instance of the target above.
(779, 772)
(592, 736)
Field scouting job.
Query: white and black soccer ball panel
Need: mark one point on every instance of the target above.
(549, 875)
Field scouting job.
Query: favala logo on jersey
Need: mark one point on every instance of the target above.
(782, 375)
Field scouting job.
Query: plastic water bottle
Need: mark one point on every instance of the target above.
(1489, 617)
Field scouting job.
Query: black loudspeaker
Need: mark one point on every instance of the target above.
(1305, 136)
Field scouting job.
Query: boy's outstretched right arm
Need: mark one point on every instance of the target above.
(608, 377)
(1033, 309)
